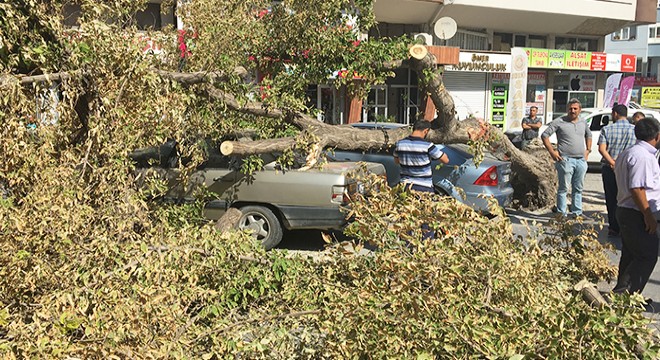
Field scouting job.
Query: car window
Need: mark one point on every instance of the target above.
(598, 122)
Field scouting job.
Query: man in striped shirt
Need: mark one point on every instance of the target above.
(414, 156)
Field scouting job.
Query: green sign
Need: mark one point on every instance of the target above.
(499, 96)
(578, 60)
(556, 59)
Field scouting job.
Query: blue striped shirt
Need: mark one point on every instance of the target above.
(618, 137)
(415, 155)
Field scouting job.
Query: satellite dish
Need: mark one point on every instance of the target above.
(445, 28)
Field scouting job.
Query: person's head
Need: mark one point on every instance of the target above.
(619, 111)
(574, 108)
(637, 117)
(421, 128)
(532, 111)
(648, 129)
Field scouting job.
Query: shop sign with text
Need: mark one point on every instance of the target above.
(580, 60)
(482, 62)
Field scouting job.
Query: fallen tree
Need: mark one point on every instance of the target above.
(90, 268)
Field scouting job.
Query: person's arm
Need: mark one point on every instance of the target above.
(437, 154)
(554, 154)
(639, 197)
(602, 149)
(545, 137)
(536, 125)
(587, 141)
(525, 125)
(587, 151)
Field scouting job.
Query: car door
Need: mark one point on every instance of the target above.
(596, 123)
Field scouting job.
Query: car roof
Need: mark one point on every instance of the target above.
(379, 125)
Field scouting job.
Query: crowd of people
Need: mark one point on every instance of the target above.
(630, 173)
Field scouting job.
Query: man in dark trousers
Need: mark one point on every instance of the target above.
(614, 139)
(638, 177)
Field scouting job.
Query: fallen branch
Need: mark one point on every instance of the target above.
(247, 321)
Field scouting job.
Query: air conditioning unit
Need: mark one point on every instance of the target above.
(424, 38)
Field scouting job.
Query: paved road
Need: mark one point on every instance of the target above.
(594, 207)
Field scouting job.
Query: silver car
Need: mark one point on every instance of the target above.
(270, 199)
(460, 178)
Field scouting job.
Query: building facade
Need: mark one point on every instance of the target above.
(564, 41)
(644, 42)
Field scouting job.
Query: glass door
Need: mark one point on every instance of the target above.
(587, 98)
(376, 107)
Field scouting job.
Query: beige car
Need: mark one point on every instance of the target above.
(270, 199)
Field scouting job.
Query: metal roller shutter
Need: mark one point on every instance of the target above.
(469, 91)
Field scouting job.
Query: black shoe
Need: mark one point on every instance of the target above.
(648, 301)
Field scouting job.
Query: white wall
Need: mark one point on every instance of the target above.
(619, 10)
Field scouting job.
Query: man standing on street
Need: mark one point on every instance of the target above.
(614, 139)
(414, 156)
(573, 148)
(637, 117)
(530, 125)
(638, 175)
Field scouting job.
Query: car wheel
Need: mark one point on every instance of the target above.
(264, 225)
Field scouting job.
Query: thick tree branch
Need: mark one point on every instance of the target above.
(200, 76)
(254, 108)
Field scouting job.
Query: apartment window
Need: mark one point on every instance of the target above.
(469, 40)
(623, 34)
(654, 34)
(536, 41)
(579, 44)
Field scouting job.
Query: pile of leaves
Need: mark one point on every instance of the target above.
(89, 268)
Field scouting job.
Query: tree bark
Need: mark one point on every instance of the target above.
(229, 220)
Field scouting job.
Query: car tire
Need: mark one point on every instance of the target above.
(264, 224)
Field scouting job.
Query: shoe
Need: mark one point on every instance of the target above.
(611, 232)
(648, 301)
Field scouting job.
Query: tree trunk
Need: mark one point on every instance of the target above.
(229, 220)
(534, 181)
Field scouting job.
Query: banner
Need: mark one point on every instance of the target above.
(626, 90)
(515, 110)
(611, 86)
(651, 97)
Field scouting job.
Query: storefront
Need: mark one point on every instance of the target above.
(499, 93)
(469, 84)
(575, 74)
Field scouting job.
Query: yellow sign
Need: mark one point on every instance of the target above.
(651, 97)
